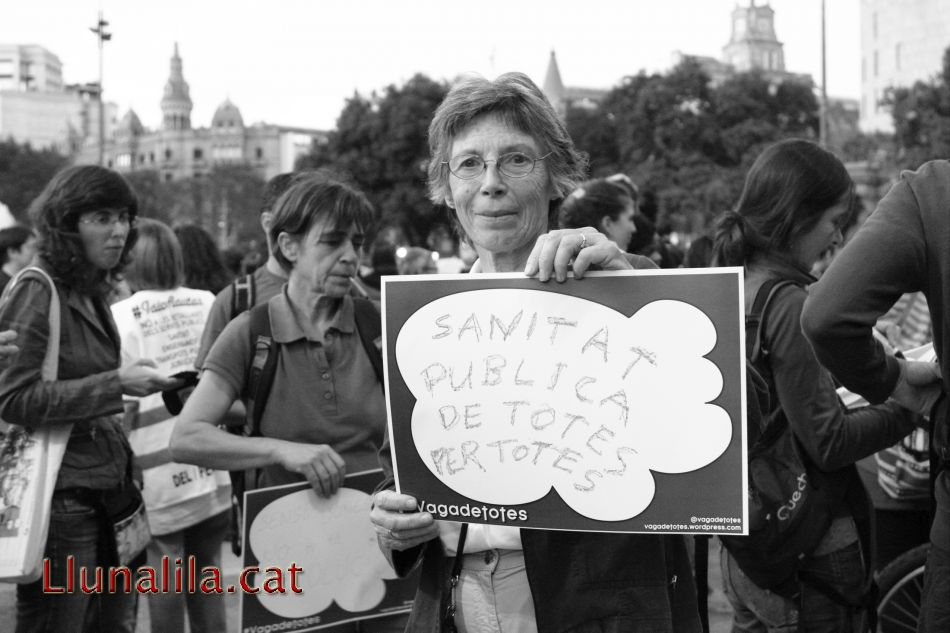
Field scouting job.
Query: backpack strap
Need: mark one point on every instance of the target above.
(260, 377)
(755, 320)
(243, 295)
(370, 329)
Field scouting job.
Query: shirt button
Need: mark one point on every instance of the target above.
(327, 395)
(326, 376)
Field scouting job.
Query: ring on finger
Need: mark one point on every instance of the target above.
(392, 534)
(583, 241)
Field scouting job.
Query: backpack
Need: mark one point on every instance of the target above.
(791, 502)
(260, 379)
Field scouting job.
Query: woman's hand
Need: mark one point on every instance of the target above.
(140, 378)
(399, 523)
(588, 247)
(319, 463)
(7, 348)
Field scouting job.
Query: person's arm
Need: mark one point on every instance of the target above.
(884, 259)
(831, 436)
(197, 439)
(25, 398)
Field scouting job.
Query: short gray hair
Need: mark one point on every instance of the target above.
(519, 103)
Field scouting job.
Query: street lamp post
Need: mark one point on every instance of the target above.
(103, 36)
(823, 107)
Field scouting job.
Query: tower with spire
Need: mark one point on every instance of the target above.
(753, 45)
(553, 87)
(176, 102)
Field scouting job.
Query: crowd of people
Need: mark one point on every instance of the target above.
(291, 389)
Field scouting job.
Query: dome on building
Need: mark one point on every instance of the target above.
(130, 125)
(227, 116)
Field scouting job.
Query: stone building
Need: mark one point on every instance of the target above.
(177, 150)
(37, 108)
(902, 41)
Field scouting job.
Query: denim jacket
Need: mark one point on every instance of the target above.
(87, 392)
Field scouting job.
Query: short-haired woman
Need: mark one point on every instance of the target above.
(85, 220)
(325, 414)
(502, 161)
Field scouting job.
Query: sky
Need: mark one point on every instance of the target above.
(295, 62)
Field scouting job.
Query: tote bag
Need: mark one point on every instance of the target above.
(29, 465)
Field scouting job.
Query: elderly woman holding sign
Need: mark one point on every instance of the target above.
(502, 161)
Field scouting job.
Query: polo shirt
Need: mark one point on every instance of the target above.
(324, 391)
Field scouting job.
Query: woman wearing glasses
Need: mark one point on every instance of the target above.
(502, 162)
(84, 219)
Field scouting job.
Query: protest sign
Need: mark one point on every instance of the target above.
(318, 561)
(613, 403)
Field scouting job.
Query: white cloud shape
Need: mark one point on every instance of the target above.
(518, 391)
(334, 543)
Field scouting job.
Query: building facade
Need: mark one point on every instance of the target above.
(178, 150)
(36, 107)
(902, 41)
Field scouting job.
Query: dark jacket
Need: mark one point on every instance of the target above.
(903, 247)
(87, 391)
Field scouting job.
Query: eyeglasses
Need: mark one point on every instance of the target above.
(107, 219)
(512, 165)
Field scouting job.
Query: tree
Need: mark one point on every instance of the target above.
(921, 115)
(380, 143)
(24, 172)
(688, 144)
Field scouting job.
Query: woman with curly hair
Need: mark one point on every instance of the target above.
(85, 221)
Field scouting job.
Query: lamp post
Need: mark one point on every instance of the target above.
(103, 36)
(823, 107)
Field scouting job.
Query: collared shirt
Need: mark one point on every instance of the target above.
(324, 391)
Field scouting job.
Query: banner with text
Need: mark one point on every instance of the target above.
(614, 403)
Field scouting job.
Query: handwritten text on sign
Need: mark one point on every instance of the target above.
(566, 393)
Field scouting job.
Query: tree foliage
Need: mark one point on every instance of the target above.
(380, 144)
(688, 144)
(24, 172)
(226, 202)
(921, 115)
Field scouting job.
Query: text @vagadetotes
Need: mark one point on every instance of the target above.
(518, 391)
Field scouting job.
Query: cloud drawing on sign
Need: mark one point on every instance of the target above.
(520, 391)
(334, 543)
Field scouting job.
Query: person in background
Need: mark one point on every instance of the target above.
(246, 292)
(502, 161)
(85, 221)
(700, 253)
(187, 506)
(903, 247)
(443, 242)
(325, 413)
(795, 204)
(204, 267)
(604, 205)
(413, 260)
(17, 249)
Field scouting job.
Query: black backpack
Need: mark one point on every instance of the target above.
(791, 502)
(260, 379)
